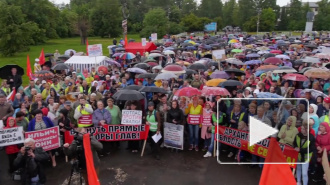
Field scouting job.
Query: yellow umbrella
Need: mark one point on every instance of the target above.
(249, 46)
(233, 41)
(214, 82)
(186, 63)
(192, 42)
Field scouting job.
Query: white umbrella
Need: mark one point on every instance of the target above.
(67, 52)
(234, 61)
(169, 52)
(314, 60)
(285, 70)
(165, 76)
(155, 55)
(136, 70)
(285, 57)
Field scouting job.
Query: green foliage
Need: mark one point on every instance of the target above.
(155, 21)
(193, 23)
(267, 21)
(210, 8)
(16, 34)
(322, 19)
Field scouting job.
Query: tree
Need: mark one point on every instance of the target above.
(322, 19)
(283, 24)
(106, 18)
(175, 14)
(189, 6)
(16, 34)
(155, 21)
(210, 8)
(267, 21)
(228, 12)
(295, 15)
(190, 23)
(247, 9)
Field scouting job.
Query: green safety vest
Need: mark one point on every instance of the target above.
(153, 122)
(240, 117)
(56, 87)
(84, 113)
(305, 145)
(326, 119)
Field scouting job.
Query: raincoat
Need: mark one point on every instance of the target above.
(290, 132)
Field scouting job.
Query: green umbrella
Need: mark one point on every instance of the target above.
(237, 51)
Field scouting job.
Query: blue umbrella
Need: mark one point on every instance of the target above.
(252, 62)
(268, 95)
(191, 48)
(169, 48)
(253, 55)
(258, 73)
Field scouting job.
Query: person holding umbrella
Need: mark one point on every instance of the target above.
(14, 80)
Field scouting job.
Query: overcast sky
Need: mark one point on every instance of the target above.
(279, 2)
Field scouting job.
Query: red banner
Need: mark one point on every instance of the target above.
(207, 120)
(194, 119)
(48, 139)
(85, 119)
(114, 133)
(240, 139)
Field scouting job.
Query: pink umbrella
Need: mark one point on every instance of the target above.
(276, 51)
(272, 60)
(174, 69)
(187, 91)
(214, 91)
(295, 77)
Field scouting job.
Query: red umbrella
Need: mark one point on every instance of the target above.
(272, 60)
(267, 68)
(276, 51)
(174, 69)
(155, 51)
(152, 64)
(187, 91)
(214, 91)
(295, 77)
(103, 68)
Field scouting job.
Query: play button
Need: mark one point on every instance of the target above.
(259, 131)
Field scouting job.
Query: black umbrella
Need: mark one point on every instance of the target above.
(237, 72)
(49, 54)
(230, 83)
(305, 69)
(298, 62)
(267, 55)
(148, 75)
(153, 89)
(327, 66)
(190, 71)
(142, 65)
(120, 49)
(133, 87)
(60, 66)
(128, 95)
(197, 66)
(5, 71)
(208, 56)
(64, 57)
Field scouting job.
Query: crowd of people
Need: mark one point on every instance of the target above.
(277, 67)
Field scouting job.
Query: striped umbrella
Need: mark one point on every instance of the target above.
(127, 56)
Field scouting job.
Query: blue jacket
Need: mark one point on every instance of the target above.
(99, 115)
(32, 123)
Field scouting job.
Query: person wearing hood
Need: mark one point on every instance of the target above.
(323, 108)
(288, 131)
(312, 115)
(11, 150)
(247, 92)
(303, 143)
(207, 113)
(325, 118)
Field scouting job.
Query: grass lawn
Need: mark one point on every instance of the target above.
(60, 44)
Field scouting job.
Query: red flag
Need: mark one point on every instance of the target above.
(126, 42)
(11, 96)
(87, 47)
(275, 174)
(42, 59)
(28, 68)
(91, 173)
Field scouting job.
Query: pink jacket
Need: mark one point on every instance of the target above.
(323, 140)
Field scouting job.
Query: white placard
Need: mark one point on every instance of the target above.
(95, 50)
(144, 41)
(11, 136)
(1, 124)
(154, 37)
(325, 50)
(241, 39)
(219, 54)
(173, 135)
(131, 117)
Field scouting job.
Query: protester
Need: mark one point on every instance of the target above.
(83, 110)
(288, 131)
(155, 126)
(11, 150)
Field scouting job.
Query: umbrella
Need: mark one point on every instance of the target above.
(234, 61)
(276, 51)
(60, 66)
(315, 93)
(265, 56)
(284, 57)
(285, 69)
(152, 64)
(43, 74)
(64, 57)
(142, 66)
(148, 75)
(233, 41)
(252, 62)
(323, 55)
(230, 83)
(165, 76)
(267, 68)
(155, 51)
(5, 71)
(169, 52)
(112, 62)
(295, 77)
(190, 71)
(253, 55)
(197, 66)
(313, 60)
(67, 52)
(174, 69)
(214, 91)
(272, 60)
(236, 71)
(133, 87)
(153, 89)
(267, 95)
(117, 54)
(318, 73)
(191, 48)
(219, 74)
(187, 91)
(236, 51)
(153, 55)
(136, 70)
(157, 68)
(128, 95)
(214, 82)
(297, 62)
(305, 69)
(127, 56)
(103, 68)
(120, 49)
(49, 54)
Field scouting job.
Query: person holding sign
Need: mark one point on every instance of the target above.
(83, 113)
(206, 123)
(194, 116)
(11, 150)
(134, 145)
(152, 118)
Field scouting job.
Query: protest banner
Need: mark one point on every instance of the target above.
(219, 54)
(48, 139)
(144, 41)
(207, 120)
(95, 50)
(240, 139)
(173, 135)
(11, 136)
(154, 37)
(194, 119)
(85, 119)
(131, 117)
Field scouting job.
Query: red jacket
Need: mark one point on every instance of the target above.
(323, 140)
(11, 149)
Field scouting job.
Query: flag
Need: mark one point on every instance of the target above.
(42, 59)
(11, 96)
(28, 68)
(276, 174)
(126, 42)
(87, 47)
(325, 164)
(91, 173)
